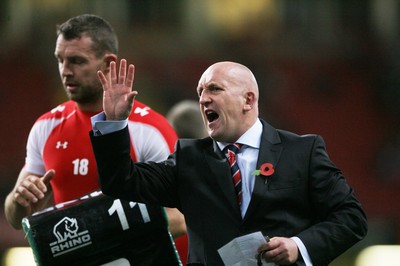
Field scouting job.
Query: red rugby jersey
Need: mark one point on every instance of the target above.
(59, 140)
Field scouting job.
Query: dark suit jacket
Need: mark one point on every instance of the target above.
(307, 196)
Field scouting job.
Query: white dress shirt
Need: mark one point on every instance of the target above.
(247, 162)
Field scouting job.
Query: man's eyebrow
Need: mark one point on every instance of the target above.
(217, 87)
(213, 85)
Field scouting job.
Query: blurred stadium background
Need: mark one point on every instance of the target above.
(330, 67)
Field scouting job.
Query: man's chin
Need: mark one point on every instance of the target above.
(214, 135)
(73, 98)
(78, 98)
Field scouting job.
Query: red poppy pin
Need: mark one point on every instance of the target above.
(266, 169)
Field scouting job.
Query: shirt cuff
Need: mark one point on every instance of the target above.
(101, 126)
(303, 251)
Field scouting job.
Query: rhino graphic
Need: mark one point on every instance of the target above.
(65, 229)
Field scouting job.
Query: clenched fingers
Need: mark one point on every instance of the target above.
(31, 189)
(280, 250)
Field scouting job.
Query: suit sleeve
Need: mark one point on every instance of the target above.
(120, 177)
(341, 221)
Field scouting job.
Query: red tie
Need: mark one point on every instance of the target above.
(233, 150)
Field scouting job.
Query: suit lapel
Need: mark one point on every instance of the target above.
(221, 172)
(270, 152)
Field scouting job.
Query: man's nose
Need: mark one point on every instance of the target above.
(204, 98)
(65, 70)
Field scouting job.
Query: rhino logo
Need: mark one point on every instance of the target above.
(65, 229)
(68, 237)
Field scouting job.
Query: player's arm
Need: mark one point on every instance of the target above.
(176, 222)
(31, 193)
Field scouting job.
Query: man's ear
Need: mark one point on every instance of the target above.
(108, 58)
(250, 100)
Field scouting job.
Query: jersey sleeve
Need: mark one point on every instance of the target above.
(35, 145)
(151, 144)
(152, 137)
(34, 148)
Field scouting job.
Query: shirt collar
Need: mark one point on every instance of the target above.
(251, 138)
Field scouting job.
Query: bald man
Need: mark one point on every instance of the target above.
(288, 188)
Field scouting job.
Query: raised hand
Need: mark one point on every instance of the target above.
(118, 95)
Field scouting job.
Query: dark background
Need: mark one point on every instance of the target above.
(329, 67)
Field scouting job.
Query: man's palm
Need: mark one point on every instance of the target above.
(118, 95)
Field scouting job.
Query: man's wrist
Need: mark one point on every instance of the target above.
(303, 253)
(101, 126)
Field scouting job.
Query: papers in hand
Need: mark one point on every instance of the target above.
(242, 251)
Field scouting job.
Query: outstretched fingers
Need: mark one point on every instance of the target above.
(124, 78)
(129, 80)
(118, 95)
(131, 76)
(122, 71)
(113, 73)
(103, 80)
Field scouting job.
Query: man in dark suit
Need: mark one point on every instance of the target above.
(289, 188)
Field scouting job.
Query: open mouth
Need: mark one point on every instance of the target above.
(211, 115)
(70, 86)
(69, 83)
